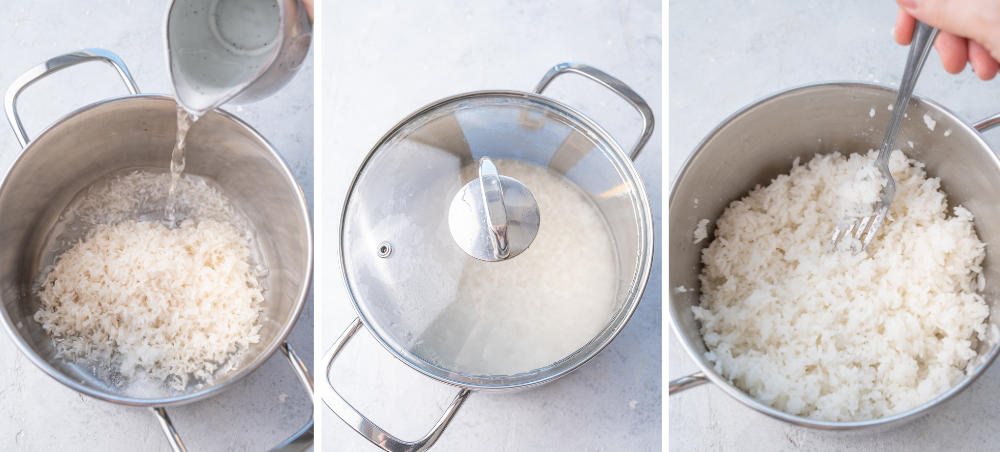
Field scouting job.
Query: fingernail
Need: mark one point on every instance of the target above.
(908, 4)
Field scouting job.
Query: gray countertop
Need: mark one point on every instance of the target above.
(724, 56)
(383, 60)
(36, 412)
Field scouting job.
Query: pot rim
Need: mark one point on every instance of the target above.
(737, 393)
(634, 296)
(208, 391)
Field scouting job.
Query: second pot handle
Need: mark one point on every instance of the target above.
(988, 123)
(51, 66)
(613, 84)
(360, 423)
(298, 442)
(686, 382)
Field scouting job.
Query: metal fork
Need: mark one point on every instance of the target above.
(867, 227)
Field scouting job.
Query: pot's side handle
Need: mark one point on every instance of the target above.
(686, 382)
(299, 441)
(360, 423)
(613, 84)
(55, 65)
(176, 445)
(302, 439)
(988, 123)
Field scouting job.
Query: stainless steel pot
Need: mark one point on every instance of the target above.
(760, 142)
(404, 187)
(138, 131)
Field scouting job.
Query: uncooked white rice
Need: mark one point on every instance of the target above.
(148, 301)
(835, 335)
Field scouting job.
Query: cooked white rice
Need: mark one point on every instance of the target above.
(701, 231)
(858, 194)
(831, 334)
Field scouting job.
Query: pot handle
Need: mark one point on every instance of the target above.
(988, 123)
(613, 84)
(51, 66)
(360, 423)
(686, 382)
(299, 441)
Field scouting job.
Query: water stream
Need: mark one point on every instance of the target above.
(185, 119)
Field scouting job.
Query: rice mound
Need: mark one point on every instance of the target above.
(169, 303)
(837, 335)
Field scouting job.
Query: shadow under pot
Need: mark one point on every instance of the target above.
(124, 134)
(494, 240)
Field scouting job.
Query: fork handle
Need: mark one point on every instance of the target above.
(920, 47)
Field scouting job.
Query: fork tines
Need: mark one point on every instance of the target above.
(862, 229)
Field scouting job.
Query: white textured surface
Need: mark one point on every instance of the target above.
(382, 61)
(36, 412)
(724, 56)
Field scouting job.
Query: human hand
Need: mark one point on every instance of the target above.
(309, 8)
(970, 32)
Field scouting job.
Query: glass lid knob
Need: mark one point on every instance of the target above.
(493, 217)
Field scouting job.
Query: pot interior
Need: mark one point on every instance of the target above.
(138, 133)
(402, 194)
(760, 142)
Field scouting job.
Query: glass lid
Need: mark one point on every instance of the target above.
(494, 237)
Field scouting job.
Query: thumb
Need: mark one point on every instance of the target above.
(978, 20)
